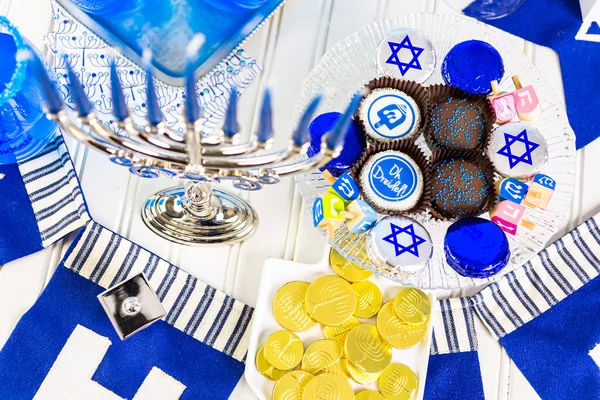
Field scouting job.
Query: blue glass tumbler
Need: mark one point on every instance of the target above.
(24, 128)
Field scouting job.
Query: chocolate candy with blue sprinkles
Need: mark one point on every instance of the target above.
(476, 247)
(461, 187)
(472, 65)
(354, 145)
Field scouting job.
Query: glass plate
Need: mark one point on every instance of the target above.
(351, 63)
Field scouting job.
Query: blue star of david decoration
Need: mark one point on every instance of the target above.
(399, 248)
(395, 60)
(514, 160)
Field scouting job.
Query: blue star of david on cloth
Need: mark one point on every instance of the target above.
(395, 60)
(514, 160)
(399, 248)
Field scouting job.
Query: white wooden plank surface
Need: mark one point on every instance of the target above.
(288, 47)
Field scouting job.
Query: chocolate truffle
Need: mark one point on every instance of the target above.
(391, 180)
(389, 114)
(459, 187)
(457, 124)
(355, 142)
(476, 247)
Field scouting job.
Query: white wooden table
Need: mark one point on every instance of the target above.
(287, 47)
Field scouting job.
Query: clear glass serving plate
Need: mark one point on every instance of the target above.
(166, 27)
(351, 63)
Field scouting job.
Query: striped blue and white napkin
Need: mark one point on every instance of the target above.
(547, 316)
(65, 346)
(453, 371)
(40, 202)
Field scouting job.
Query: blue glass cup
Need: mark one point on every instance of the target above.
(485, 9)
(107, 7)
(24, 128)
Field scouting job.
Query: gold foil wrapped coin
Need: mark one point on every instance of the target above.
(266, 369)
(368, 299)
(412, 306)
(291, 385)
(284, 350)
(289, 307)
(328, 387)
(347, 270)
(398, 382)
(358, 376)
(396, 332)
(330, 300)
(366, 350)
(369, 395)
(324, 356)
(340, 332)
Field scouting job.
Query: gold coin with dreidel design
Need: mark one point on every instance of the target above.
(284, 350)
(346, 269)
(330, 300)
(289, 307)
(412, 306)
(291, 385)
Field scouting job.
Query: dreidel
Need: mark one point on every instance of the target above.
(329, 213)
(361, 216)
(346, 188)
(503, 104)
(507, 215)
(526, 101)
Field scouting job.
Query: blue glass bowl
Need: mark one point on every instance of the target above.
(24, 128)
(167, 26)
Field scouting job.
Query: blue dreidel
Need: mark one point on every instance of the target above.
(362, 217)
(346, 188)
(512, 189)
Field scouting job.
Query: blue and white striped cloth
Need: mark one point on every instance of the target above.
(192, 306)
(546, 315)
(453, 371)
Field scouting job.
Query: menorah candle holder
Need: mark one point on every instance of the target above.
(195, 213)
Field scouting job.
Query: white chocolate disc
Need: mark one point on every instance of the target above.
(406, 54)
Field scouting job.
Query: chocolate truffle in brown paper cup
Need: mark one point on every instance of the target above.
(462, 184)
(394, 178)
(394, 109)
(458, 120)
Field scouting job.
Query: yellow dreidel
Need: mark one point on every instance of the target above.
(526, 101)
(540, 192)
(329, 213)
(503, 104)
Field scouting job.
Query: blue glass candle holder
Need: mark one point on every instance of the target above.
(24, 128)
(485, 9)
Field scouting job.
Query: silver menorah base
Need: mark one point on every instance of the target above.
(197, 215)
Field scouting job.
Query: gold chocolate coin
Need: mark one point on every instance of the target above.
(328, 386)
(330, 300)
(368, 299)
(366, 350)
(347, 270)
(289, 308)
(396, 332)
(398, 382)
(369, 395)
(358, 376)
(324, 356)
(283, 350)
(340, 332)
(266, 369)
(291, 385)
(412, 306)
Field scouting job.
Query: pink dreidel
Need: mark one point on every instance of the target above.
(503, 105)
(527, 103)
(507, 216)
